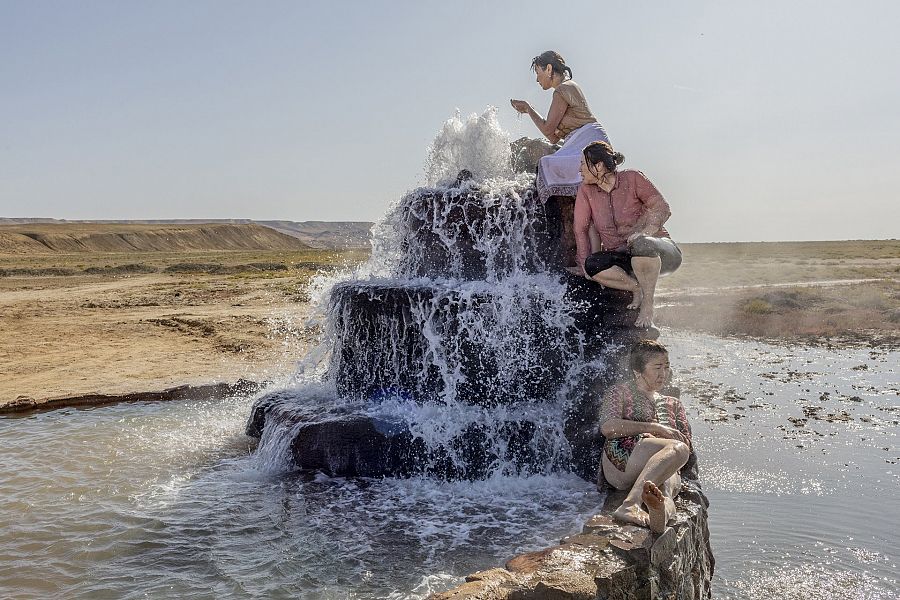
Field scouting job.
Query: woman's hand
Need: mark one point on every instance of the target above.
(668, 433)
(520, 105)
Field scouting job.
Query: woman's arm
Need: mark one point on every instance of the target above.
(581, 227)
(656, 209)
(616, 428)
(546, 126)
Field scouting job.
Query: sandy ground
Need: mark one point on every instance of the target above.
(127, 330)
(68, 336)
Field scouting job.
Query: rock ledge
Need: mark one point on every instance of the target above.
(609, 561)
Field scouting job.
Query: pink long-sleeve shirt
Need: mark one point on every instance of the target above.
(633, 205)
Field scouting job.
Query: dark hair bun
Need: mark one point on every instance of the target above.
(554, 59)
(602, 152)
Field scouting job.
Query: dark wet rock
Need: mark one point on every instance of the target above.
(385, 343)
(559, 212)
(401, 338)
(241, 387)
(441, 229)
(344, 440)
(526, 152)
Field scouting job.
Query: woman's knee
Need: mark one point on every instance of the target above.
(644, 246)
(682, 451)
(670, 261)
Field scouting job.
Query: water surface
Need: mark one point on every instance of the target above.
(165, 500)
(798, 451)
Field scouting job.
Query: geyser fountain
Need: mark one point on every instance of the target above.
(463, 348)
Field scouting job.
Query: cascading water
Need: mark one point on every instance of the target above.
(462, 349)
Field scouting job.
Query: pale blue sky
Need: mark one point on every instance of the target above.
(758, 120)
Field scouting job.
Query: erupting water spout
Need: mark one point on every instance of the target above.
(467, 350)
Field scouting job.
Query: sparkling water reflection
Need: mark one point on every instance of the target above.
(798, 447)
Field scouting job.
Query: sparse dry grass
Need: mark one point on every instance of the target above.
(152, 262)
(767, 290)
(767, 263)
(862, 313)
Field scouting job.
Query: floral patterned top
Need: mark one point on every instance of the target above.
(626, 401)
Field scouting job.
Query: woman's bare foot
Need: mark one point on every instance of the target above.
(656, 506)
(645, 316)
(637, 296)
(632, 514)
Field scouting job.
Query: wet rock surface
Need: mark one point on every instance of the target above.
(466, 233)
(527, 152)
(609, 560)
(387, 333)
(25, 404)
(477, 311)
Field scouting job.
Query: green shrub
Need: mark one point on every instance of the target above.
(757, 306)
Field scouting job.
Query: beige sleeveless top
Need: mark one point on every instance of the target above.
(577, 113)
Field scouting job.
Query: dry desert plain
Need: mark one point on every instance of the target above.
(102, 318)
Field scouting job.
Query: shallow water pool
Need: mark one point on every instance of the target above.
(798, 453)
(165, 500)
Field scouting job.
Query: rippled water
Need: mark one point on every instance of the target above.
(165, 500)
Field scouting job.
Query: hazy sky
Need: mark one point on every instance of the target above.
(764, 120)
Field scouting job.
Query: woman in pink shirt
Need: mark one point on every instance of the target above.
(628, 214)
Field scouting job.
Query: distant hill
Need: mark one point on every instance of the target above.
(53, 237)
(326, 234)
(330, 235)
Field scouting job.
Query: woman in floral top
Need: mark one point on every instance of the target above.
(648, 439)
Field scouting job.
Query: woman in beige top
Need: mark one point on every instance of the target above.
(570, 119)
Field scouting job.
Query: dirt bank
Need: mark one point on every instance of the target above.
(42, 238)
(197, 318)
(856, 313)
(82, 335)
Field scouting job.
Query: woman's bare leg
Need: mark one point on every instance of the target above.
(646, 272)
(617, 279)
(653, 459)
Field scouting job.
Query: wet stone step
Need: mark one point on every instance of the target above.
(483, 344)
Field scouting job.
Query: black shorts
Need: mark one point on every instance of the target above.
(668, 252)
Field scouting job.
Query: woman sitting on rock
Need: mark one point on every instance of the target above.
(627, 212)
(569, 119)
(648, 439)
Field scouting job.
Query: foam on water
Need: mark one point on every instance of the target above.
(135, 500)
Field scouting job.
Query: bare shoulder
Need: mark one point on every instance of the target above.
(570, 90)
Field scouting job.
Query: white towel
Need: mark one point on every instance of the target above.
(559, 174)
